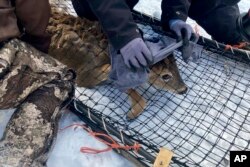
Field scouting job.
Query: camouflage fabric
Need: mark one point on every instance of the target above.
(38, 86)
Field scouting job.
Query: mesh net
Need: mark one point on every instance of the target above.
(200, 112)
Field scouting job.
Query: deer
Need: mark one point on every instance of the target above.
(81, 44)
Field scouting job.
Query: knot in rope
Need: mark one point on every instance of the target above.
(112, 144)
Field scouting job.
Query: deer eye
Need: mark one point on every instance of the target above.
(166, 77)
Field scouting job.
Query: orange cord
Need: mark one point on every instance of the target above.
(239, 46)
(112, 145)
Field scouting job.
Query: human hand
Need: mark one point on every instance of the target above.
(136, 54)
(186, 33)
(183, 31)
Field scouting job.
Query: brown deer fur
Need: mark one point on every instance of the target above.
(81, 45)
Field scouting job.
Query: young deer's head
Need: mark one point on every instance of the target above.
(165, 75)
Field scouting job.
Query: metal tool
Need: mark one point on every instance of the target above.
(162, 54)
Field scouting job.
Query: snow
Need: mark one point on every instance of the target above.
(5, 116)
(66, 152)
(190, 118)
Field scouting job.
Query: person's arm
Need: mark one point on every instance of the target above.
(174, 16)
(116, 19)
(174, 10)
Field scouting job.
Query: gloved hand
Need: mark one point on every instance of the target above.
(186, 33)
(136, 54)
(122, 77)
(183, 31)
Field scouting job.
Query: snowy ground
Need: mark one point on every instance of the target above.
(66, 152)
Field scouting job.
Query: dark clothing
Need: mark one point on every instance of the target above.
(8, 21)
(83, 9)
(221, 24)
(181, 9)
(217, 17)
(115, 17)
(27, 17)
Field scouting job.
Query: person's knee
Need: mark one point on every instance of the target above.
(221, 24)
(224, 32)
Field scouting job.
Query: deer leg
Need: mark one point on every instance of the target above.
(138, 104)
